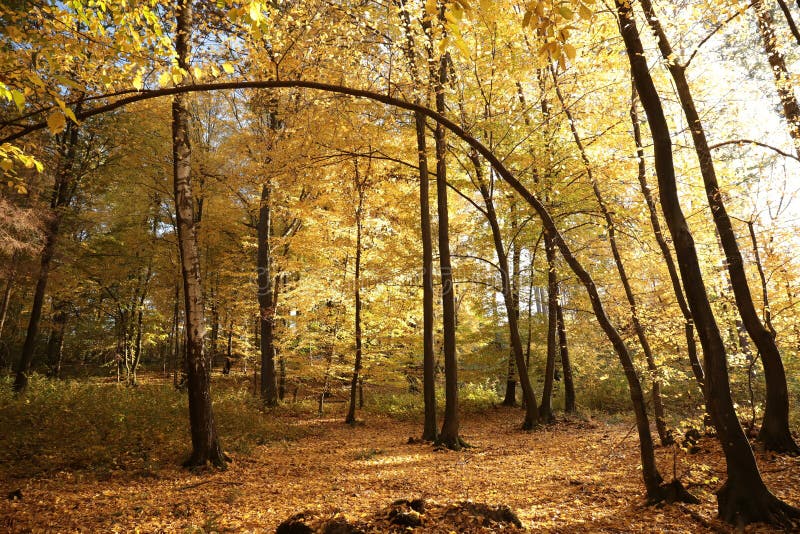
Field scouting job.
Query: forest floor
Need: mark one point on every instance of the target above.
(574, 476)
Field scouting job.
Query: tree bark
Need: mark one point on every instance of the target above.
(430, 431)
(269, 386)
(775, 433)
(744, 498)
(205, 443)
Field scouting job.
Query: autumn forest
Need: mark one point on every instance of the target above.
(399, 265)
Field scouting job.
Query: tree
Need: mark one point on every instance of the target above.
(744, 498)
(205, 443)
(774, 433)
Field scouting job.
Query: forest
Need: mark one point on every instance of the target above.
(399, 265)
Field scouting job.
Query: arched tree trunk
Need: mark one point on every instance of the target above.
(744, 498)
(205, 444)
(774, 434)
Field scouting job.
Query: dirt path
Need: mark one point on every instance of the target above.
(567, 478)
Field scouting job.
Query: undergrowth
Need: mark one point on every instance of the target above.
(100, 428)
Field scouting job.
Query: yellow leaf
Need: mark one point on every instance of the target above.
(6, 164)
(585, 12)
(227, 67)
(164, 79)
(56, 121)
(214, 71)
(19, 99)
(569, 50)
(137, 82)
(566, 12)
(198, 72)
(255, 11)
(70, 115)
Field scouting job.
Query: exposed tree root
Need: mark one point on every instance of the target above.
(198, 461)
(780, 442)
(740, 505)
(455, 444)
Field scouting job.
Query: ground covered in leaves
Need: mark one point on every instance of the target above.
(575, 476)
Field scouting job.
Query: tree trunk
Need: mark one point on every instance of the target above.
(546, 409)
(744, 498)
(430, 430)
(691, 346)
(449, 435)
(60, 199)
(55, 344)
(566, 364)
(775, 433)
(777, 63)
(529, 396)
(205, 443)
(360, 186)
(12, 274)
(269, 386)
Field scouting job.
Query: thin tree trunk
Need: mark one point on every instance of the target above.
(430, 430)
(205, 443)
(7, 293)
(766, 312)
(360, 186)
(449, 436)
(269, 386)
(744, 498)
(658, 403)
(55, 344)
(566, 364)
(691, 346)
(529, 396)
(775, 433)
(511, 378)
(546, 409)
(777, 63)
(60, 199)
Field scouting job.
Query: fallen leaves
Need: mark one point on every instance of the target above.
(562, 479)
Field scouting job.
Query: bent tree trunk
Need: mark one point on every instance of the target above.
(744, 498)
(774, 434)
(205, 443)
(269, 385)
(430, 431)
(531, 410)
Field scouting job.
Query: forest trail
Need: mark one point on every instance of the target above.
(571, 477)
